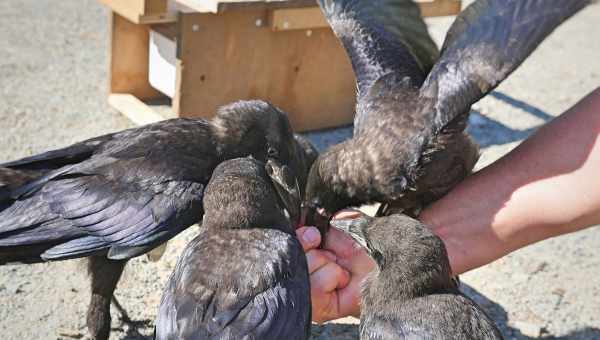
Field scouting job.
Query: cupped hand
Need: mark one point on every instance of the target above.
(336, 272)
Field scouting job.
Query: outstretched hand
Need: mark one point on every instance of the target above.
(336, 271)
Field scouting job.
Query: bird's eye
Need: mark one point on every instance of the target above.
(272, 152)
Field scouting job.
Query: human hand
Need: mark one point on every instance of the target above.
(336, 271)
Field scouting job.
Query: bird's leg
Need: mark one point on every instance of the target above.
(105, 275)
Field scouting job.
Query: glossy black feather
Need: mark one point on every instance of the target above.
(245, 275)
(381, 37)
(123, 194)
(485, 44)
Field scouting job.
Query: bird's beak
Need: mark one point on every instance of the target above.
(316, 216)
(287, 188)
(353, 227)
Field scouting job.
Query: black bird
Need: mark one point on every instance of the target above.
(245, 275)
(118, 196)
(410, 147)
(411, 294)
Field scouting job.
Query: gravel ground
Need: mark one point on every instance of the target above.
(53, 92)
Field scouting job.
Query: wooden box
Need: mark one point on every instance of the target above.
(281, 51)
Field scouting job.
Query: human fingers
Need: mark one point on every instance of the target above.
(309, 237)
(347, 213)
(329, 277)
(317, 258)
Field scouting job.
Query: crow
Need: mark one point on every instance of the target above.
(245, 275)
(117, 196)
(410, 147)
(411, 293)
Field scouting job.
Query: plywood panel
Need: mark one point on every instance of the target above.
(228, 57)
(297, 18)
(129, 59)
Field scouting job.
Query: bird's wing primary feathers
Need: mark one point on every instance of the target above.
(488, 41)
(131, 193)
(248, 286)
(54, 159)
(381, 37)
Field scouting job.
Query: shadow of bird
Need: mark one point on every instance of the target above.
(411, 293)
(245, 275)
(120, 195)
(409, 146)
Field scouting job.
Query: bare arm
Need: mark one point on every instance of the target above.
(549, 185)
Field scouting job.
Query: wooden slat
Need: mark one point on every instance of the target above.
(311, 17)
(429, 8)
(133, 108)
(220, 6)
(142, 11)
(309, 76)
(129, 59)
(438, 8)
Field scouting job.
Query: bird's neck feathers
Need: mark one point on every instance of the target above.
(342, 172)
(410, 274)
(248, 203)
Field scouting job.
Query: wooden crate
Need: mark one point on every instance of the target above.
(281, 51)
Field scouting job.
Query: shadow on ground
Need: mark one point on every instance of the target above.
(500, 317)
(488, 132)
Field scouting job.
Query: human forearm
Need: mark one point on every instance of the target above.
(545, 187)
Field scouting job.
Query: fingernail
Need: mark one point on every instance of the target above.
(311, 236)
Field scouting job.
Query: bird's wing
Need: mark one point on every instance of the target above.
(126, 199)
(488, 41)
(381, 37)
(54, 159)
(91, 213)
(200, 301)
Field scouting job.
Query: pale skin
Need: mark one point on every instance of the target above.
(547, 186)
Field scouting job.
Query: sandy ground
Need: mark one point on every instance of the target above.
(53, 62)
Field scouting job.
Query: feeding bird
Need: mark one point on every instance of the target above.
(245, 275)
(411, 294)
(410, 147)
(117, 196)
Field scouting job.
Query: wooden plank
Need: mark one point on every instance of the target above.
(142, 11)
(305, 73)
(133, 108)
(296, 18)
(436, 8)
(429, 8)
(129, 59)
(220, 6)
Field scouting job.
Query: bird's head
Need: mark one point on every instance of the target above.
(405, 251)
(246, 193)
(323, 197)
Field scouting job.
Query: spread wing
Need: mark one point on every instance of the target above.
(125, 197)
(381, 37)
(487, 42)
(246, 290)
